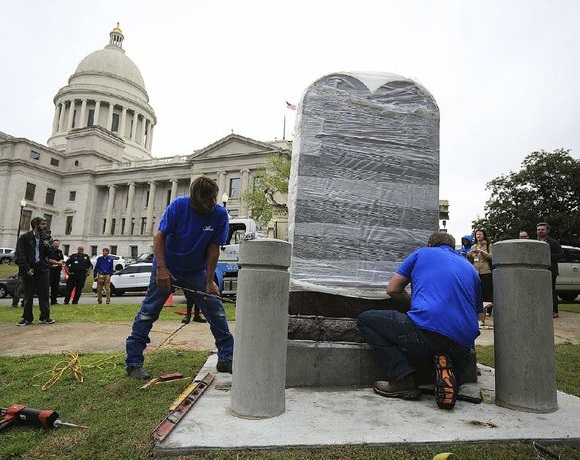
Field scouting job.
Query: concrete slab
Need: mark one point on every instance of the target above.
(318, 417)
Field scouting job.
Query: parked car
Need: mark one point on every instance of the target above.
(133, 278)
(8, 285)
(7, 256)
(568, 281)
(119, 264)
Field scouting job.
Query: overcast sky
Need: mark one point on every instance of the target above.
(504, 73)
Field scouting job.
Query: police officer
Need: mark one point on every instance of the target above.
(56, 261)
(79, 267)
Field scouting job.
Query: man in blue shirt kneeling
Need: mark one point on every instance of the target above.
(439, 319)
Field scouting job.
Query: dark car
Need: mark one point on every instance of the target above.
(8, 285)
(7, 256)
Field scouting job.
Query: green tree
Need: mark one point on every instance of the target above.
(274, 178)
(546, 189)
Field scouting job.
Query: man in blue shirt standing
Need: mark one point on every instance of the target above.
(102, 273)
(186, 248)
(439, 319)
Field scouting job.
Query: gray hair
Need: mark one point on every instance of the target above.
(441, 239)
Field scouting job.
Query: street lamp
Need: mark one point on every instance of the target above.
(225, 199)
(22, 206)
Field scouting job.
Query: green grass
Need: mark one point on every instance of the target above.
(122, 417)
(103, 313)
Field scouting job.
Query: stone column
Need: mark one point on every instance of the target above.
(97, 113)
(244, 186)
(173, 189)
(71, 115)
(221, 184)
(55, 119)
(134, 126)
(150, 136)
(525, 362)
(130, 204)
(83, 117)
(150, 208)
(143, 132)
(259, 367)
(61, 119)
(123, 120)
(110, 206)
(110, 117)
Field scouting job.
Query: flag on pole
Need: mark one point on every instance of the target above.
(290, 106)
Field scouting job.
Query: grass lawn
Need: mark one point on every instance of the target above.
(121, 417)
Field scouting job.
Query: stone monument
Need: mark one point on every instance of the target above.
(363, 194)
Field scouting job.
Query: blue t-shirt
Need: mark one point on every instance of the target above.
(445, 293)
(104, 265)
(188, 234)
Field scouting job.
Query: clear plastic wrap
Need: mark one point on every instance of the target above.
(364, 183)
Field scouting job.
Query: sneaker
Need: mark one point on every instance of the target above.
(224, 366)
(404, 389)
(199, 319)
(47, 321)
(23, 322)
(137, 373)
(554, 315)
(445, 382)
(186, 319)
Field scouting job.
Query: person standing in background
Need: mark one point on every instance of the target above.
(480, 255)
(79, 266)
(32, 252)
(102, 274)
(543, 232)
(56, 262)
(523, 235)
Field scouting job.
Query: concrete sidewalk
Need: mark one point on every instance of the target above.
(319, 417)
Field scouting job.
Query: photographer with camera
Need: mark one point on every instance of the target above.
(32, 252)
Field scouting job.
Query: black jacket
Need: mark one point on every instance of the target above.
(25, 248)
(556, 254)
(78, 264)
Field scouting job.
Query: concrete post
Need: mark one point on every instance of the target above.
(525, 361)
(259, 367)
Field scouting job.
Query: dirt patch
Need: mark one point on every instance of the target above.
(99, 337)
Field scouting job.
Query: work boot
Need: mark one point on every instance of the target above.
(446, 388)
(186, 319)
(137, 373)
(199, 319)
(224, 366)
(404, 388)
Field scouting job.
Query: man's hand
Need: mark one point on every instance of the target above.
(30, 272)
(211, 287)
(163, 278)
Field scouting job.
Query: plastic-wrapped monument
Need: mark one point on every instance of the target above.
(364, 184)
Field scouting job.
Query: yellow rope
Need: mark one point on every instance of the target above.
(74, 365)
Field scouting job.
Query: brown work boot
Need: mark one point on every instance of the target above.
(404, 389)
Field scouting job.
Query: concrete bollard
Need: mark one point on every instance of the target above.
(525, 361)
(261, 334)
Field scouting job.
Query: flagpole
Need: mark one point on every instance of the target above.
(284, 130)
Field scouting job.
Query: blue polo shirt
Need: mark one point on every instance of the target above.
(445, 293)
(189, 233)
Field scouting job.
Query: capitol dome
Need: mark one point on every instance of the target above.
(111, 61)
(107, 91)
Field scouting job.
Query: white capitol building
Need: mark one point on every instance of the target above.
(96, 181)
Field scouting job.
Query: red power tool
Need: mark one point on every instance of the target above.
(45, 418)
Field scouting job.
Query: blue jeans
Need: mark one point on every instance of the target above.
(212, 309)
(391, 333)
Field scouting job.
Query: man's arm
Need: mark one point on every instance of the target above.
(556, 252)
(21, 256)
(396, 291)
(163, 274)
(213, 254)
